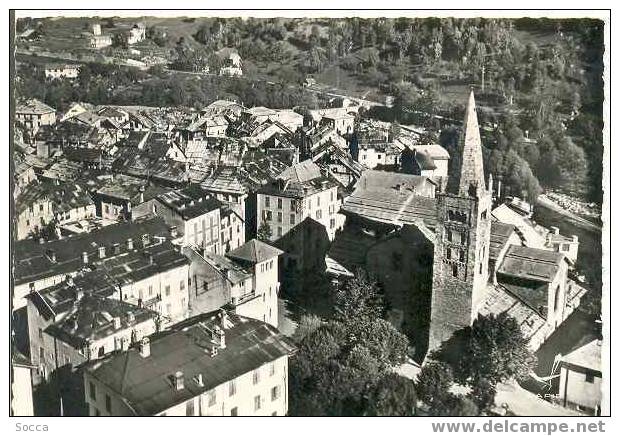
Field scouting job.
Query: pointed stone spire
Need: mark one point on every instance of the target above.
(471, 179)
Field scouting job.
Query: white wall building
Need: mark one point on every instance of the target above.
(229, 366)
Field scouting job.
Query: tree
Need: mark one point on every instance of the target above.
(492, 348)
(358, 300)
(483, 394)
(264, 232)
(454, 405)
(394, 395)
(434, 382)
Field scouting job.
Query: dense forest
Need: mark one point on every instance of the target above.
(538, 82)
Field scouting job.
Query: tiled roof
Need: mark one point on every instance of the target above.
(145, 382)
(92, 318)
(302, 172)
(33, 106)
(254, 251)
(32, 260)
(587, 356)
(500, 234)
(392, 198)
(531, 263)
(190, 202)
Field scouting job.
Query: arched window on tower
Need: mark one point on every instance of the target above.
(472, 190)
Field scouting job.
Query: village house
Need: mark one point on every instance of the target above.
(43, 203)
(21, 385)
(231, 62)
(580, 381)
(41, 265)
(193, 212)
(62, 71)
(118, 198)
(33, 114)
(299, 191)
(75, 321)
(244, 280)
(136, 34)
(212, 365)
(100, 41)
(338, 119)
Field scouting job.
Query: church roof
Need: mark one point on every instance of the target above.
(472, 172)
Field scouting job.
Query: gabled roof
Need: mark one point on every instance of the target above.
(254, 251)
(393, 198)
(302, 172)
(145, 382)
(531, 263)
(33, 106)
(92, 318)
(500, 234)
(587, 356)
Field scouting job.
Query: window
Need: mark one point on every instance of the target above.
(271, 264)
(150, 290)
(272, 369)
(331, 196)
(319, 214)
(267, 202)
(279, 217)
(484, 214)
(268, 216)
(257, 402)
(232, 388)
(211, 397)
(189, 408)
(108, 403)
(167, 290)
(448, 253)
(275, 393)
(292, 219)
(93, 392)
(233, 411)
(274, 414)
(332, 223)
(279, 231)
(256, 376)
(318, 201)
(463, 238)
(168, 309)
(182, 285)
(449, 235)
(589, 378)
(461, 255)
(279, 203)
(565, 247)
(40, 333)
(455, 271)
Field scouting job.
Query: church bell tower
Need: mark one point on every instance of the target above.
(461, 258)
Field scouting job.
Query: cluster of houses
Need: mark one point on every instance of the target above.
(151, 245)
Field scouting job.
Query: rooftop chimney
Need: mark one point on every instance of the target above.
(555, 230)
(117, 248)
(145, 347)
(85, 257)
(52, 255)
(221, 336)
(148, 256)
(79, 294)
(129, 244)
(69, 281)
(41, 240)
(131, 318)
(117, 323)
(142, 189)
(101, 252)
(575, 238)
(146, 239)
(173, 232)
(199, 381)
(179, 380)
